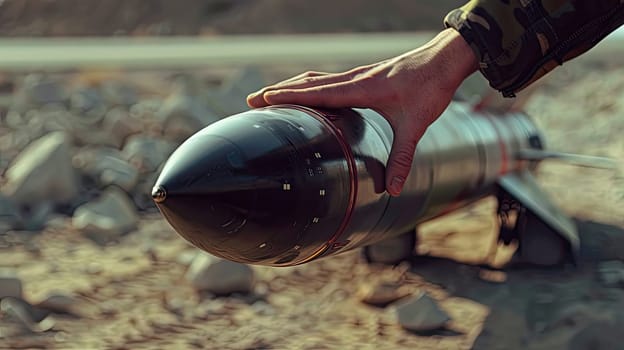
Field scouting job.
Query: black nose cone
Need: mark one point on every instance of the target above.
(252, 188)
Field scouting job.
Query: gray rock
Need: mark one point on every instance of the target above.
(38, 90)
(141, 195)
(107, 167)
(86, 100)
(187, 257)
(55, 117)
(108, 217)
(220, 277)
(14, 119)
(200, 262)
(421, 314)
(119, 94)
(43, 171)
(146, 109)
(119, 124)
(611, 273)
(382, 294)
(30, 317)
(146, 153)
(231, 98)
(66, 304)
(184, 112)
(10, 285)
(38, 215)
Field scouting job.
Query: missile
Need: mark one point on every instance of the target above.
(285, 185)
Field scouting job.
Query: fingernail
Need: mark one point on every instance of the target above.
(396, 185)
(252, 95)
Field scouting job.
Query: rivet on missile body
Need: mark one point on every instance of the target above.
(159, 194)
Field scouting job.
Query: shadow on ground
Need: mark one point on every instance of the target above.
(564, 307)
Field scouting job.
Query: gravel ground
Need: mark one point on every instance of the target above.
(132, 293)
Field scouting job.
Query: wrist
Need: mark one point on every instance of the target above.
(455, 56)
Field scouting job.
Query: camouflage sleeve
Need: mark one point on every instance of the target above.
(518, 41)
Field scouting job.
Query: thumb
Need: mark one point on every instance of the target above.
(400, 161)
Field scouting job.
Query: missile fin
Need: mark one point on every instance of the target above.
(523, 187)
(574, 159)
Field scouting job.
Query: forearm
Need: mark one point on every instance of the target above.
(519, 42)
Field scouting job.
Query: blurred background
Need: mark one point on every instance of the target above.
(95, 95)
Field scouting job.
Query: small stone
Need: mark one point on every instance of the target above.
(382, 294)
(145, 153)
(187, 257)
(210, 307)
(141, 194)
(64, 304)
(14, 119)
(37, 217)
(119, 124)
(421, 314)
(86, 100)
(119, 94)
(231, 97)
(10, 285)
(107, 167)
(94, 268)
(611, 273)
(43, 171)
(492, 276)
(30, 317)
(145, 109)
(58, 222)
(38, 90)
(221, 277)
(183, 112)
(262, 308)
(108, 217)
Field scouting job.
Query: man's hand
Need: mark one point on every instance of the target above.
(410, 91)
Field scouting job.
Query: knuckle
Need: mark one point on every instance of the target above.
(403, 159)
(266, 89)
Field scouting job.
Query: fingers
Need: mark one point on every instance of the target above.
(306, 80)
(401, 157)
(342, 94)
(256, 100)
(307, 74)
(304, 83)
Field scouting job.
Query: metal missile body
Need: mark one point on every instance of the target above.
(285, 185)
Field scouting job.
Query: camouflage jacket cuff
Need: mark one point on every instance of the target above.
(519, 41)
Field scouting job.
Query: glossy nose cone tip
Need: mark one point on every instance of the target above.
(159, 194)
(250, 189)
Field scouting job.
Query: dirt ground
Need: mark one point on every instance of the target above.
(132, 294)
(209, 17)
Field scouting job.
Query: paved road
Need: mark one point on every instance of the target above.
(28, 54)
